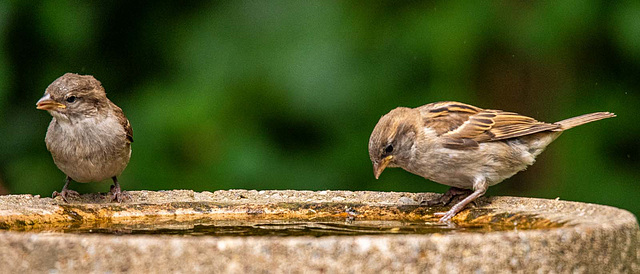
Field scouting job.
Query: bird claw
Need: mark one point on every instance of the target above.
(118, 195)
(446, 216)
(65, 193)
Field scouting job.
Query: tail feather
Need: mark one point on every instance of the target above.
(582, 119)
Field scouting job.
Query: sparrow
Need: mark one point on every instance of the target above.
(89, 137)
(462, 146)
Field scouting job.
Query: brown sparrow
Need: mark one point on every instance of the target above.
(462, 146)
(89, 137)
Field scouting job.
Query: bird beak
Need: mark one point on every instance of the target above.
(379, 167)
(45, 103)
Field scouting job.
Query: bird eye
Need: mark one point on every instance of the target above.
(388, 149)
(71, 99)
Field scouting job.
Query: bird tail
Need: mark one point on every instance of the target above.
(583, 119)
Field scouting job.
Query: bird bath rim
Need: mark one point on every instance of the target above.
(595, 236)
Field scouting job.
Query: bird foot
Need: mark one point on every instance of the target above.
(65, 193)
(455, 209)
(446, 216)
(118, 195)
(453, 193)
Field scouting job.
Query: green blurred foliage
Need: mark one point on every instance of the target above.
(284, 94)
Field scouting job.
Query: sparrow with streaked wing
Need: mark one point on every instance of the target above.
(462, 146)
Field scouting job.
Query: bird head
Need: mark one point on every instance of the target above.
(73, 95)
(392, 141)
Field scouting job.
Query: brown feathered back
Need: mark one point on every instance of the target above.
(463, 126)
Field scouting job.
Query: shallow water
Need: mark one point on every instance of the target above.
(288, 228)
(274, 227)
(281, 219)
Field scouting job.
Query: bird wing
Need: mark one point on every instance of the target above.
(469, 125)
(444, 117)
(124, 122)
(128, 129)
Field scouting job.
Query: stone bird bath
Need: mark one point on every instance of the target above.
(311, 232)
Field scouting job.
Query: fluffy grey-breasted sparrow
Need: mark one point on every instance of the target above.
(462, 146)
(89, 137)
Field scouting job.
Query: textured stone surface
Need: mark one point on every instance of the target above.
(593, 239)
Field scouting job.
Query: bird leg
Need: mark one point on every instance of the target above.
(116, 193)
(479, 186)
(447, 197)
(65, 191)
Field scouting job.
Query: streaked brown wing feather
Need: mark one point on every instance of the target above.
(493, 125)
(124, 122)
(463, 126)
(128, 130)
(446, 116)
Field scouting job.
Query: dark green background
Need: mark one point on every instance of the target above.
(284, 94)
